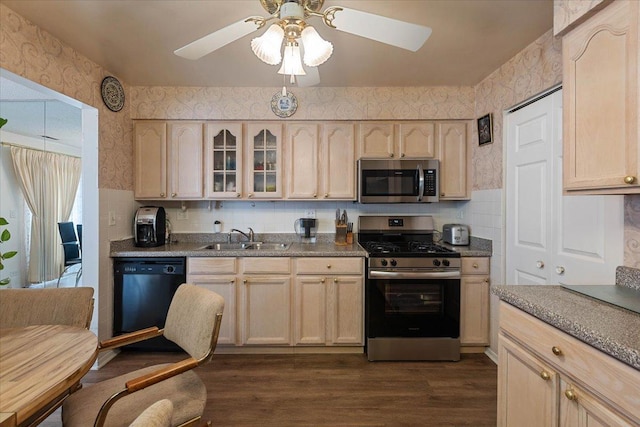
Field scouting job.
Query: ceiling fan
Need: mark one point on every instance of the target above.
(301, 40)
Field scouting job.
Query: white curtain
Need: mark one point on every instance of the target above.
(49, 182)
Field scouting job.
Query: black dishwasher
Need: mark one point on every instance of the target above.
(143, 289)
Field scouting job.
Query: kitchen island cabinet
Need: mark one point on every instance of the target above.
(547, 377)
(601, 102)
(384, 140)
(168, 160)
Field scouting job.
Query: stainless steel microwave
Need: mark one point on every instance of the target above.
(398, 181)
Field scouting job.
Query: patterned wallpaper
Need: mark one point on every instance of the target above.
(33, 53)
(568, 12)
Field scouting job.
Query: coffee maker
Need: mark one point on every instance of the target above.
(306, 229)
(149, 226)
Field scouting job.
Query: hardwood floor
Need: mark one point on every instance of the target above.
(336, 390)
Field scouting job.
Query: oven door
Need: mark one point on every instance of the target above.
(413, 308)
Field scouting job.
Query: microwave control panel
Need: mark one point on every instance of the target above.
(430, 182)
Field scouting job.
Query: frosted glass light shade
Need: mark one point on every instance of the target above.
(316, 49)
(291, 61)
(267, 46)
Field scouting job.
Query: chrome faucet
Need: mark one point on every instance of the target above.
(249, 236)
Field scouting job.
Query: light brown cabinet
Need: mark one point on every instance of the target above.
(548, 378)
(601, 107)
(224, 160)
(320, 161)
(383, 140)
(328, 301)
(474, 301)
(264, 161)
(168, 160)
(454, 161)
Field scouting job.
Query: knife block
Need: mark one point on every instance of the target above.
(341, 234)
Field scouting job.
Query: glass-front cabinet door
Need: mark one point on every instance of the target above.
(224, 160)
(264, 178)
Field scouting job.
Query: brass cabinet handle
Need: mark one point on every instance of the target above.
(322, 280)
(315, 195)
(556, 350)
(545, 375)
(326, 194)
(244, 281)
(441, 194)
(232, 281)
(328, 265)
(238, 194)
(475, 265)
(401, 154)
(161, 194)
(629, 179)
(250, 195)
(486, 280)
(571, 395)
(173, 194)
(390, 154)
(335, 280)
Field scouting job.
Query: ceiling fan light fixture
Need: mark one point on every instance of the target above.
(316, 49)
(292, 61)
(267, 46)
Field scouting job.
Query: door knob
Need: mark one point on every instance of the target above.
(560, 269)
(540, 264)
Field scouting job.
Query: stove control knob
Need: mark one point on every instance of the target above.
(436, 262)
(394, 262)
(445, 262)
(383, 262)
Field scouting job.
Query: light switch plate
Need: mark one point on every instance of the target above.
(310, 213)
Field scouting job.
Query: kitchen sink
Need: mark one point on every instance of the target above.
(247, 246)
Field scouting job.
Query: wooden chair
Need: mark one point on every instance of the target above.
(193, 322)
(53, 306)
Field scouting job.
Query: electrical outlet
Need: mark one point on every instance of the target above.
(461, 215)
(310, 213)
(112, 218)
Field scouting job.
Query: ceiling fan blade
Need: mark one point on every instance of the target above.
(216, 40)
(382, 29)
(312, 77)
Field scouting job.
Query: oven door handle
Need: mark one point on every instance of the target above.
(414, 274)
(420, 182)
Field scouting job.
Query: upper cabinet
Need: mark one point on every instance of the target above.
(454, 164)
(397, 140)
(168, 160)
(223, 160)
(601, 88)
(264, 161)
(320, 161)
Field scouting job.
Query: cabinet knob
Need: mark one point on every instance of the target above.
(571, 395)
(315, 195)
(161, 194)
(629, 179)
(250, 195)
(486, 280)
(555, 350)
(173, 194)
(322, 280)
(238, 194)
(232, 281)
(560, 269)
(335, 280)
(390, 154)
(402, 155)
(326, 194)
(328, 265)
(545, 375)
(441, 194)
(539, 264)
(244, 281)
(475, 265)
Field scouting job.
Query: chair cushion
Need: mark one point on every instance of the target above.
(157, 415)
(186, 392)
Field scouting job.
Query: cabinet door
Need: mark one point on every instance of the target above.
(581, 409)
(226, 287)
(266, 310)
(417, 140)
(474, 310)
(150, 145)
(345, 310)
(527, 389)
(223, 160)
(376, 140)
(302, 150)
(338, 163)
(310, 305)
(600, 88)
(452, 149)
(264, 161)
(186, 161)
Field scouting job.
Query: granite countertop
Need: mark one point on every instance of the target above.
(608, 328)
(191, 245)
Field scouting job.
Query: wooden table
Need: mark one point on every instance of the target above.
(39, 365)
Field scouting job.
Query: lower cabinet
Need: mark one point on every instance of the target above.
(328, 301)
(474, 301)
(267, 303)
(548, 378)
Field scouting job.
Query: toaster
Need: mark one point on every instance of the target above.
(455, 234)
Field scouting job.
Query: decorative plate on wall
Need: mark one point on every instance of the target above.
(112, 93)
(284, 105)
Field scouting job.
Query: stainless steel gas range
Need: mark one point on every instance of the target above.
(412, 290)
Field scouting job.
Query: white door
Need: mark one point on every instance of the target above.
(551, 238)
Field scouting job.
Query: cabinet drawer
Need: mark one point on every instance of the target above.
(266, 265)
(211, 265)
(475, 265)
(327, 265)
(592, 369)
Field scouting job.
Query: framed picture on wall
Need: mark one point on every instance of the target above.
(485, 130)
